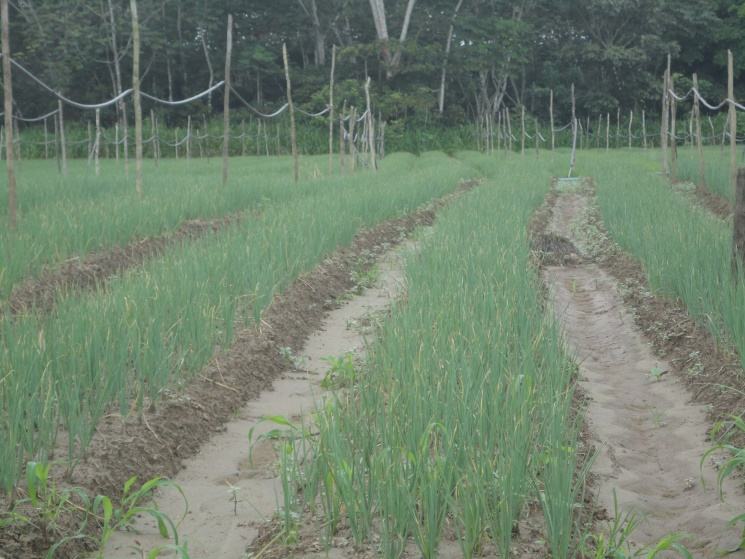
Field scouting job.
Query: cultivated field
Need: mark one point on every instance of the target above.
(499, 401)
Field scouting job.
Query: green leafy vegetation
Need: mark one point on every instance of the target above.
(463, 414)
(155, 326)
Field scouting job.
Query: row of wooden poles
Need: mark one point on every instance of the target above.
(184, 146)
(599, 137)
(668, 137)
(369, 121)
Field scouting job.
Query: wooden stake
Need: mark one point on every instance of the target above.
(206, 137)
(175, 142)
(243, 138)
(97, 144)
(8, 107)
(62, 142)
(156, 139)
(352, 146)
(188, 138)
(535, 122)
(573, 159)
(116, 140)
(331, 109)
(664, 123)
(522, 129)
(732, 118)
(673, 140)
(56, 145)
(738, 225)
(500, 136)
(631, 119)
(618, 126)
(90, 144)
(607, 131)
(226, 103)
(713, 132)
(697, 134)
(136, 95)
(509, 126)
(152, 135)
(370, 127)
(551, 116)
(342, 140)
(293, 132)
(644, 130)
(46, 140)
(587, 133)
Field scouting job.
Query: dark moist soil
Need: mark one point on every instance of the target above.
(712, 371)
(179, 426)
(716, 204)
(91, 271)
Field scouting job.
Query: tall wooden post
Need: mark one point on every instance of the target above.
(62, 141)
(46, 140)
(573, 158)
(551, 116)
(618, 126)
(673, 139)
(226, 103)
(136, 95)
(665, 113)
(587, 133)
(352, 146)
(8, 107)
(500, 136)
(738, 224)
(57, 145)
(509, 126)
(152, 135)
(243, 138)
(631, 119)
(90, 144)
(97, 144)
(331, 109)
(697, 133)
(522, 129)
(293, 131)
(732, 118)
(644, 130)
(116, 140)
(188, 138)
(370, 127)
(342, 139)
(607, 131)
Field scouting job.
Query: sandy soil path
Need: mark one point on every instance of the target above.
(649, 435)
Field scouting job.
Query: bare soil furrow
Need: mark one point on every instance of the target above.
(649, 435)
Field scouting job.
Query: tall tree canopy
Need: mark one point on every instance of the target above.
(500, 51)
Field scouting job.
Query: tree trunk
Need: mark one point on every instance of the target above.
(448, 46)
(118, 81)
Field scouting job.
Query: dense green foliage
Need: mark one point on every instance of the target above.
(613, 50)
